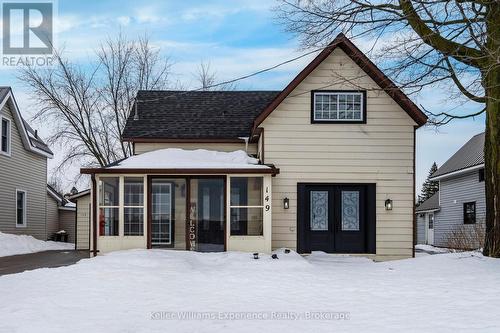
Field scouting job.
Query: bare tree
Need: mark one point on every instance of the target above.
(56, 183)
(87, 106)
(207, 79)
(453, 43)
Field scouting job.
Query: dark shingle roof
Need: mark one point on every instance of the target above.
(430, 204)
(3, 92)
(35, 139)
(471, 154)
(196, 114)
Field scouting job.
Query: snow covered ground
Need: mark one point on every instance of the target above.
(177, 291)
(20, 244)
(432, 249)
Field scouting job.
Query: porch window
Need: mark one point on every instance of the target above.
(338, 106)
(247, 209)
(133, 206)
(109, 193)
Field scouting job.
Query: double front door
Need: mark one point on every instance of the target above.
(336, 218)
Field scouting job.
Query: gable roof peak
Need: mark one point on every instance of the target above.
(346, 45)
(29, 137)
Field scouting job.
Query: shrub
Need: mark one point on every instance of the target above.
(466, 237)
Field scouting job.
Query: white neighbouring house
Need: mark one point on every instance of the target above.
(327, 164)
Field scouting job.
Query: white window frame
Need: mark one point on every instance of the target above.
(263, 199)
(171, 189)
(129, 206)
(119, 207)
(362, 111)
(9, 136)
(25, 208)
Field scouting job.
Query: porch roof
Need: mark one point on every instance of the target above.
(188, 162)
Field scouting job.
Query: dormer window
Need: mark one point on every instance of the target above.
(338, 107)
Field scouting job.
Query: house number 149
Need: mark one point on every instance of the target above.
(267, 199)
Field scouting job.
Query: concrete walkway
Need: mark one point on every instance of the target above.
(26, 262)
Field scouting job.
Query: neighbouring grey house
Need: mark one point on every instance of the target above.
(459, 208)
(27, 205)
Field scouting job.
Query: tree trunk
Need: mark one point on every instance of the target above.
(491, 82)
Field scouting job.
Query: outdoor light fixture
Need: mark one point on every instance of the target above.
(286, 203)
(388, 204)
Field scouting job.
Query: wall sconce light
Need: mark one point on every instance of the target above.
(388, 204)
(286, 203)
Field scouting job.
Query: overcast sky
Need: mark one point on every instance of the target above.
(236, 37)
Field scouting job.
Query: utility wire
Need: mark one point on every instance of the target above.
(238, 78)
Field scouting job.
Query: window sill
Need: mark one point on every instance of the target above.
(241, 237)
(21, 226)
(5, 154)
(361, 122)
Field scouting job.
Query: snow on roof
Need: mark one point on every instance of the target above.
(174, 158)
(70, 204)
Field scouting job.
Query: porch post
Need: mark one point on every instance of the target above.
(148, 211)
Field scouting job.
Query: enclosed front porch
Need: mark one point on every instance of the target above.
(207, 209)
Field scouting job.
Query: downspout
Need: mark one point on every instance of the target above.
(414, 238)
(246, 139)
(94, 214)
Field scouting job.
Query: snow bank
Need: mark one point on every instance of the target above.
(432, 249)
(174, 158)
(20, 244)
(157, 290)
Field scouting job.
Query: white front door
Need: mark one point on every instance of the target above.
(430, 228)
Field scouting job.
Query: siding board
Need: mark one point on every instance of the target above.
(141, 147)
(83, 223)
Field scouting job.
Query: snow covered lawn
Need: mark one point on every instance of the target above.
(148, 290)
(20, 244)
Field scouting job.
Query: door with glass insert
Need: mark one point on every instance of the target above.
(161, 213)
(320, 219)
(333, 218)
(350, 231)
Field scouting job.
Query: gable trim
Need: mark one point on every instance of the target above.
(23, 132)
(458, 172)
(365, 64)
